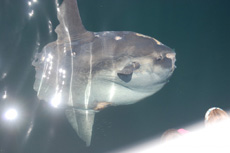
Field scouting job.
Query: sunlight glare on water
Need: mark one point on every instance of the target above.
(11, 114)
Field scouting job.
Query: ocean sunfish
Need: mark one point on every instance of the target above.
(84, 72)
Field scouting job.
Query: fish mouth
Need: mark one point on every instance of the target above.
(166, 61)
(172, 58)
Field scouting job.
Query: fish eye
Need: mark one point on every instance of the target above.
(159, 58)
(136, 65)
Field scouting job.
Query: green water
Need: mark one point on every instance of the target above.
(197, 30)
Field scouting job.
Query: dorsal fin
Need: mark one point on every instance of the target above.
(70, 26)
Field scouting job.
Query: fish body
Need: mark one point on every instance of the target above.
(85, 72)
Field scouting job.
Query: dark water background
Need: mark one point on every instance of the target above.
(197, 30)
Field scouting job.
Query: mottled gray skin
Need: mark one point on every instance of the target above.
(85, 72)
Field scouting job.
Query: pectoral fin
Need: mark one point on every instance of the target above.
(126, 73)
